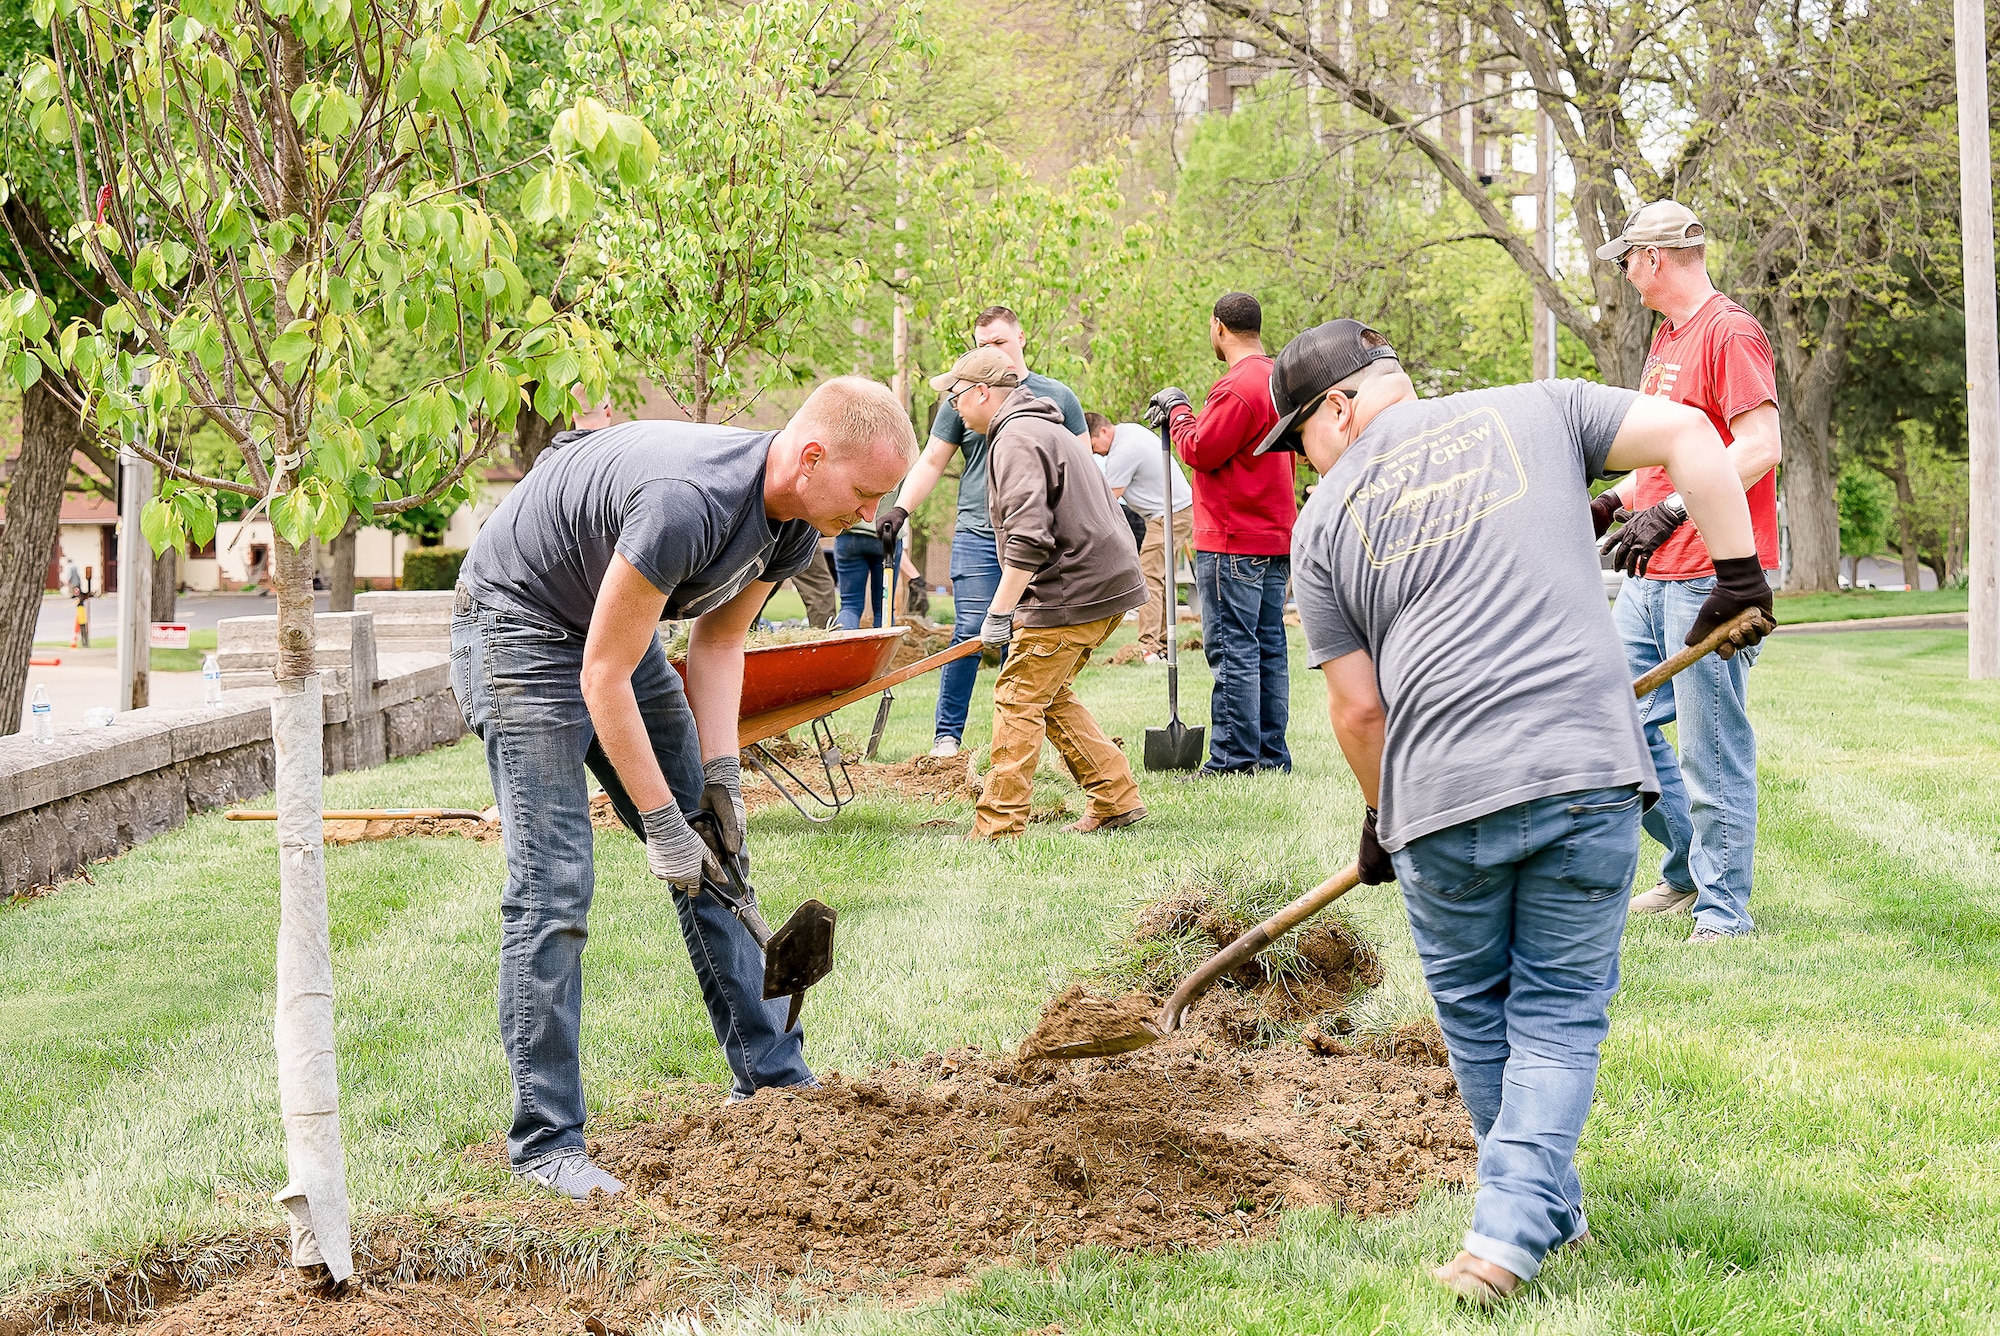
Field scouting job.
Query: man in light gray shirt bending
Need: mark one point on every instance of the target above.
(1447, 578)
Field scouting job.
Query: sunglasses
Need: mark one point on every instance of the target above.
(1625, 260)
(1300, 421)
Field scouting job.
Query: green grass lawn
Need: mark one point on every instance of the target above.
(1847, 605)
(1795, 1133)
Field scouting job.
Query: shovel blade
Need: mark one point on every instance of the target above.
(1175, 747)
(1104, 1046)
(800, 953)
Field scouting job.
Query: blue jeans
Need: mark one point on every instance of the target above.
(518, 685)
(857, 562)
(975, 575)
(1243, 639)
(1707, 812)
(1517, 917)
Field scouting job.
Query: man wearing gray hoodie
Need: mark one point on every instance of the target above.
(1068, 576)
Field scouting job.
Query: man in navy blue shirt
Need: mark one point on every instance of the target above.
(558, 669)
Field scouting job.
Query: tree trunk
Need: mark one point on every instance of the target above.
(1811, 351)
(315, 1194)
(49, 433)
(166, 584)
(531, 436)
(1906, 501)
(340, 582)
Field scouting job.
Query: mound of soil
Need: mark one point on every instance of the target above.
(894, 1183)
(921, 639)
(355, 832)
(938, 779)
(1078, 1018)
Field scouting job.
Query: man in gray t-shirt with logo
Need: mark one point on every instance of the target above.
(1448, 583)
(557, 666)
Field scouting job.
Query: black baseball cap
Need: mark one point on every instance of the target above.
(1309, 366)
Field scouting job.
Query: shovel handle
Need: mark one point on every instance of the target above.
(1246, 947)
(1659, 675)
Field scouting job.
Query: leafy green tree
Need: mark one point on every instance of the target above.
(258, 183)
(1866, 505)
(710, 259)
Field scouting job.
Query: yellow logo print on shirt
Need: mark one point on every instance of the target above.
(1432, 487)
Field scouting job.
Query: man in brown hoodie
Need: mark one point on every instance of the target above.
(1068, 577)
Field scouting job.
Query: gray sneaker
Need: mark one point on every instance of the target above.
(1703, 936)
(573, 1175)
(1662, 899)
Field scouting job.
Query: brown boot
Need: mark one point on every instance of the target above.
(1089, 823)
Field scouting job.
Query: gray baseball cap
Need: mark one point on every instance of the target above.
(1665, 223)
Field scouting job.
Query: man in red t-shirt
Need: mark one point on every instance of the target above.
(1243, 512)
(1710, 354)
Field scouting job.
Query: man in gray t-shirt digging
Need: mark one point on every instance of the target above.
(1448, 583)
(556, 664)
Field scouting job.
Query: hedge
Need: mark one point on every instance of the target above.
(432, 567)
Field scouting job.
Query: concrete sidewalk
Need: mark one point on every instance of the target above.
(1923, 621)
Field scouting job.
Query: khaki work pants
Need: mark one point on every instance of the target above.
(1153, 565)
(1032, 698)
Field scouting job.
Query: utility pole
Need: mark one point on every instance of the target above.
(1982, 341)
(135, 584)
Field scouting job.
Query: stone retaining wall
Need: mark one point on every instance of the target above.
(94, 792)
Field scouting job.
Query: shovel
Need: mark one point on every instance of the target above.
(1175, 747)
(1239, 952)
(798, 955)
(889, 694)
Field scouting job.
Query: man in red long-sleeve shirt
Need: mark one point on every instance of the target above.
(1243, 512)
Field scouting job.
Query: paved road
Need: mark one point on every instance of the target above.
(200, 611)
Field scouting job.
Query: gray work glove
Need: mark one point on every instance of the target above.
(722, 795)
(673, 851)
(997, 631)
(1160, 409)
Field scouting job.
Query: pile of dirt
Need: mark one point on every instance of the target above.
(1076, 1017)
(397, 828)
(921, 639)
(937, 779)
(894, 1183)
(1327, 965)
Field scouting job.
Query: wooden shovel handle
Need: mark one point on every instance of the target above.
(372, 814)
(1246, 947)
(1659, 675)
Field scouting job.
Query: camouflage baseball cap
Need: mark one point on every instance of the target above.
(1664, 223)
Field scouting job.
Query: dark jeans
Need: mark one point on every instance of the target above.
(975, 575)
(1517, 918)
(518, 684)
(1243, 639)
(857, 561)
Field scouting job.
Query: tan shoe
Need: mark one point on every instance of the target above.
(1481, 1283)
(1090, 823)
(1662, 899)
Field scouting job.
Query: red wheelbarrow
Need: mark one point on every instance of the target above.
(785, 686)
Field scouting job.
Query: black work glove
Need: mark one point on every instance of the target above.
(1739, 584)
(1162, 405)
(889, 524)
(1603, 508)
(1373, 860)
(1633, 546)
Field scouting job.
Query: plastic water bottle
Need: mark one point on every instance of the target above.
(45, 722)
(211, 681)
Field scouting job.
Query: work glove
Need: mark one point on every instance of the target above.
(1373, 860)
(674, 852)
(1160, 409)
(1739, 584)
(722, 796)
(890, 523)
(1632, 547)
(997, 631)
(1604, 508)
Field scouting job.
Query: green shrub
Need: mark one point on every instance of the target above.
(432, 567)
